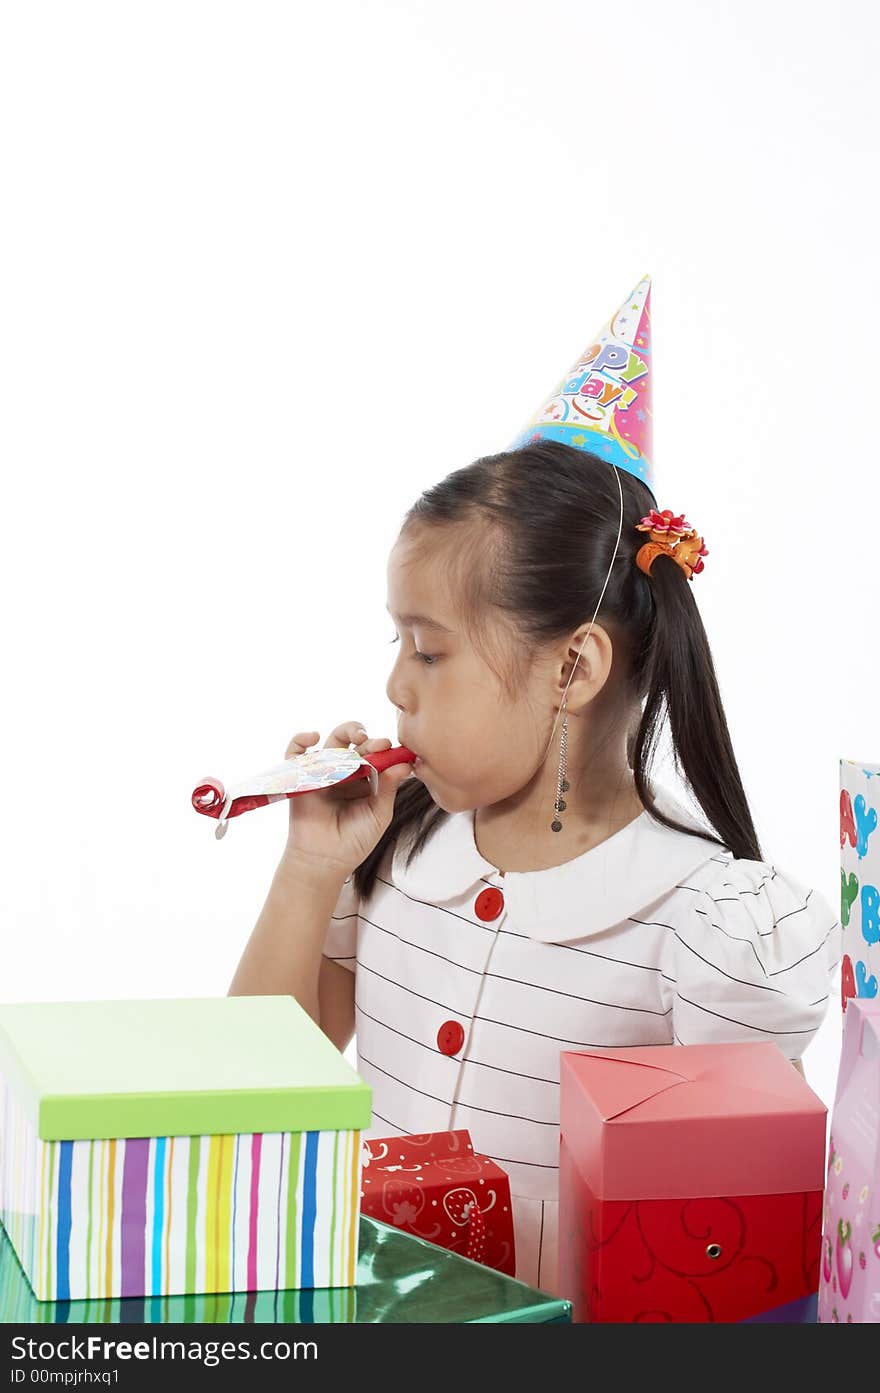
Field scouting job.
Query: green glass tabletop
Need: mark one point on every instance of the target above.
(399, 1278)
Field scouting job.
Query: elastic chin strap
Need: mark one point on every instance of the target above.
(595, 612)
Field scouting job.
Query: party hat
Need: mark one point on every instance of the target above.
(603, 403)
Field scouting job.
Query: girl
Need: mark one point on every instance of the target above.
(525, 889)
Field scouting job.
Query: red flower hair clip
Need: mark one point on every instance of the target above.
(670, 535)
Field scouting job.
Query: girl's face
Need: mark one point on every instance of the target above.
(476, 745)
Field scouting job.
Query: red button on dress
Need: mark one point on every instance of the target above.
(450, 1037)
(489, 903)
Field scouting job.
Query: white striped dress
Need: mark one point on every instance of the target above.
(470, 983)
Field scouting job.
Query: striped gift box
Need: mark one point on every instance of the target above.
(154, 1148)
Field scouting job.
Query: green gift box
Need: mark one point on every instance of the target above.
(153, 1148)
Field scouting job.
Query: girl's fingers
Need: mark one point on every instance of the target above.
(300, 743)
(351, 733)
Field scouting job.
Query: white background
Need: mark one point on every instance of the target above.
(268, 271)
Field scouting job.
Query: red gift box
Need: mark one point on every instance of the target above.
(436, 1187)
(690, 1183)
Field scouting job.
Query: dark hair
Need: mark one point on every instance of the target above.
(535, 530)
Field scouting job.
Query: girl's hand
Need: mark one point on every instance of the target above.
(337, 827)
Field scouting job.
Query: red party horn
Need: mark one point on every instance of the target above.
(312, 770)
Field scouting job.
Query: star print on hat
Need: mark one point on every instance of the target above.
(603, 404)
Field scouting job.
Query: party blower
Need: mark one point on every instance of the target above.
(302, 774)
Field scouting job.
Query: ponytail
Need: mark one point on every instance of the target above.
(682, 686)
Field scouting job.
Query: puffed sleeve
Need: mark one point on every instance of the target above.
(340, 940)
(751, 956)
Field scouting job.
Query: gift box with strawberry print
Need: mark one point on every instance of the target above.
(690, 1183)
(436, 1187)
(849, 1289)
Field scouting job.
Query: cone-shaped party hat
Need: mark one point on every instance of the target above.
(603, 404)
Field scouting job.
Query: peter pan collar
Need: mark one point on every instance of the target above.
(604, 886)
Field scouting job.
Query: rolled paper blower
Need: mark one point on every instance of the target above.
(305, 772)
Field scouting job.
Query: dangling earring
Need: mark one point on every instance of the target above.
(562, 784)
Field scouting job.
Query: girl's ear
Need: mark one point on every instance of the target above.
(591, 669)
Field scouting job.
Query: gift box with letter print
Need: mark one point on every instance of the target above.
(849, 1289)
(436, 1187)
(859, 879)
(158, 1147)
(690, 1183)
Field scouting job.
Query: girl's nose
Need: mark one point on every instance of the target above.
(397, 689)
(393, 690)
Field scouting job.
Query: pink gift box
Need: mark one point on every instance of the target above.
(690, 1183)
(849, 1285)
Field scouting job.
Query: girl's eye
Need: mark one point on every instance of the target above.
(427, 658)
